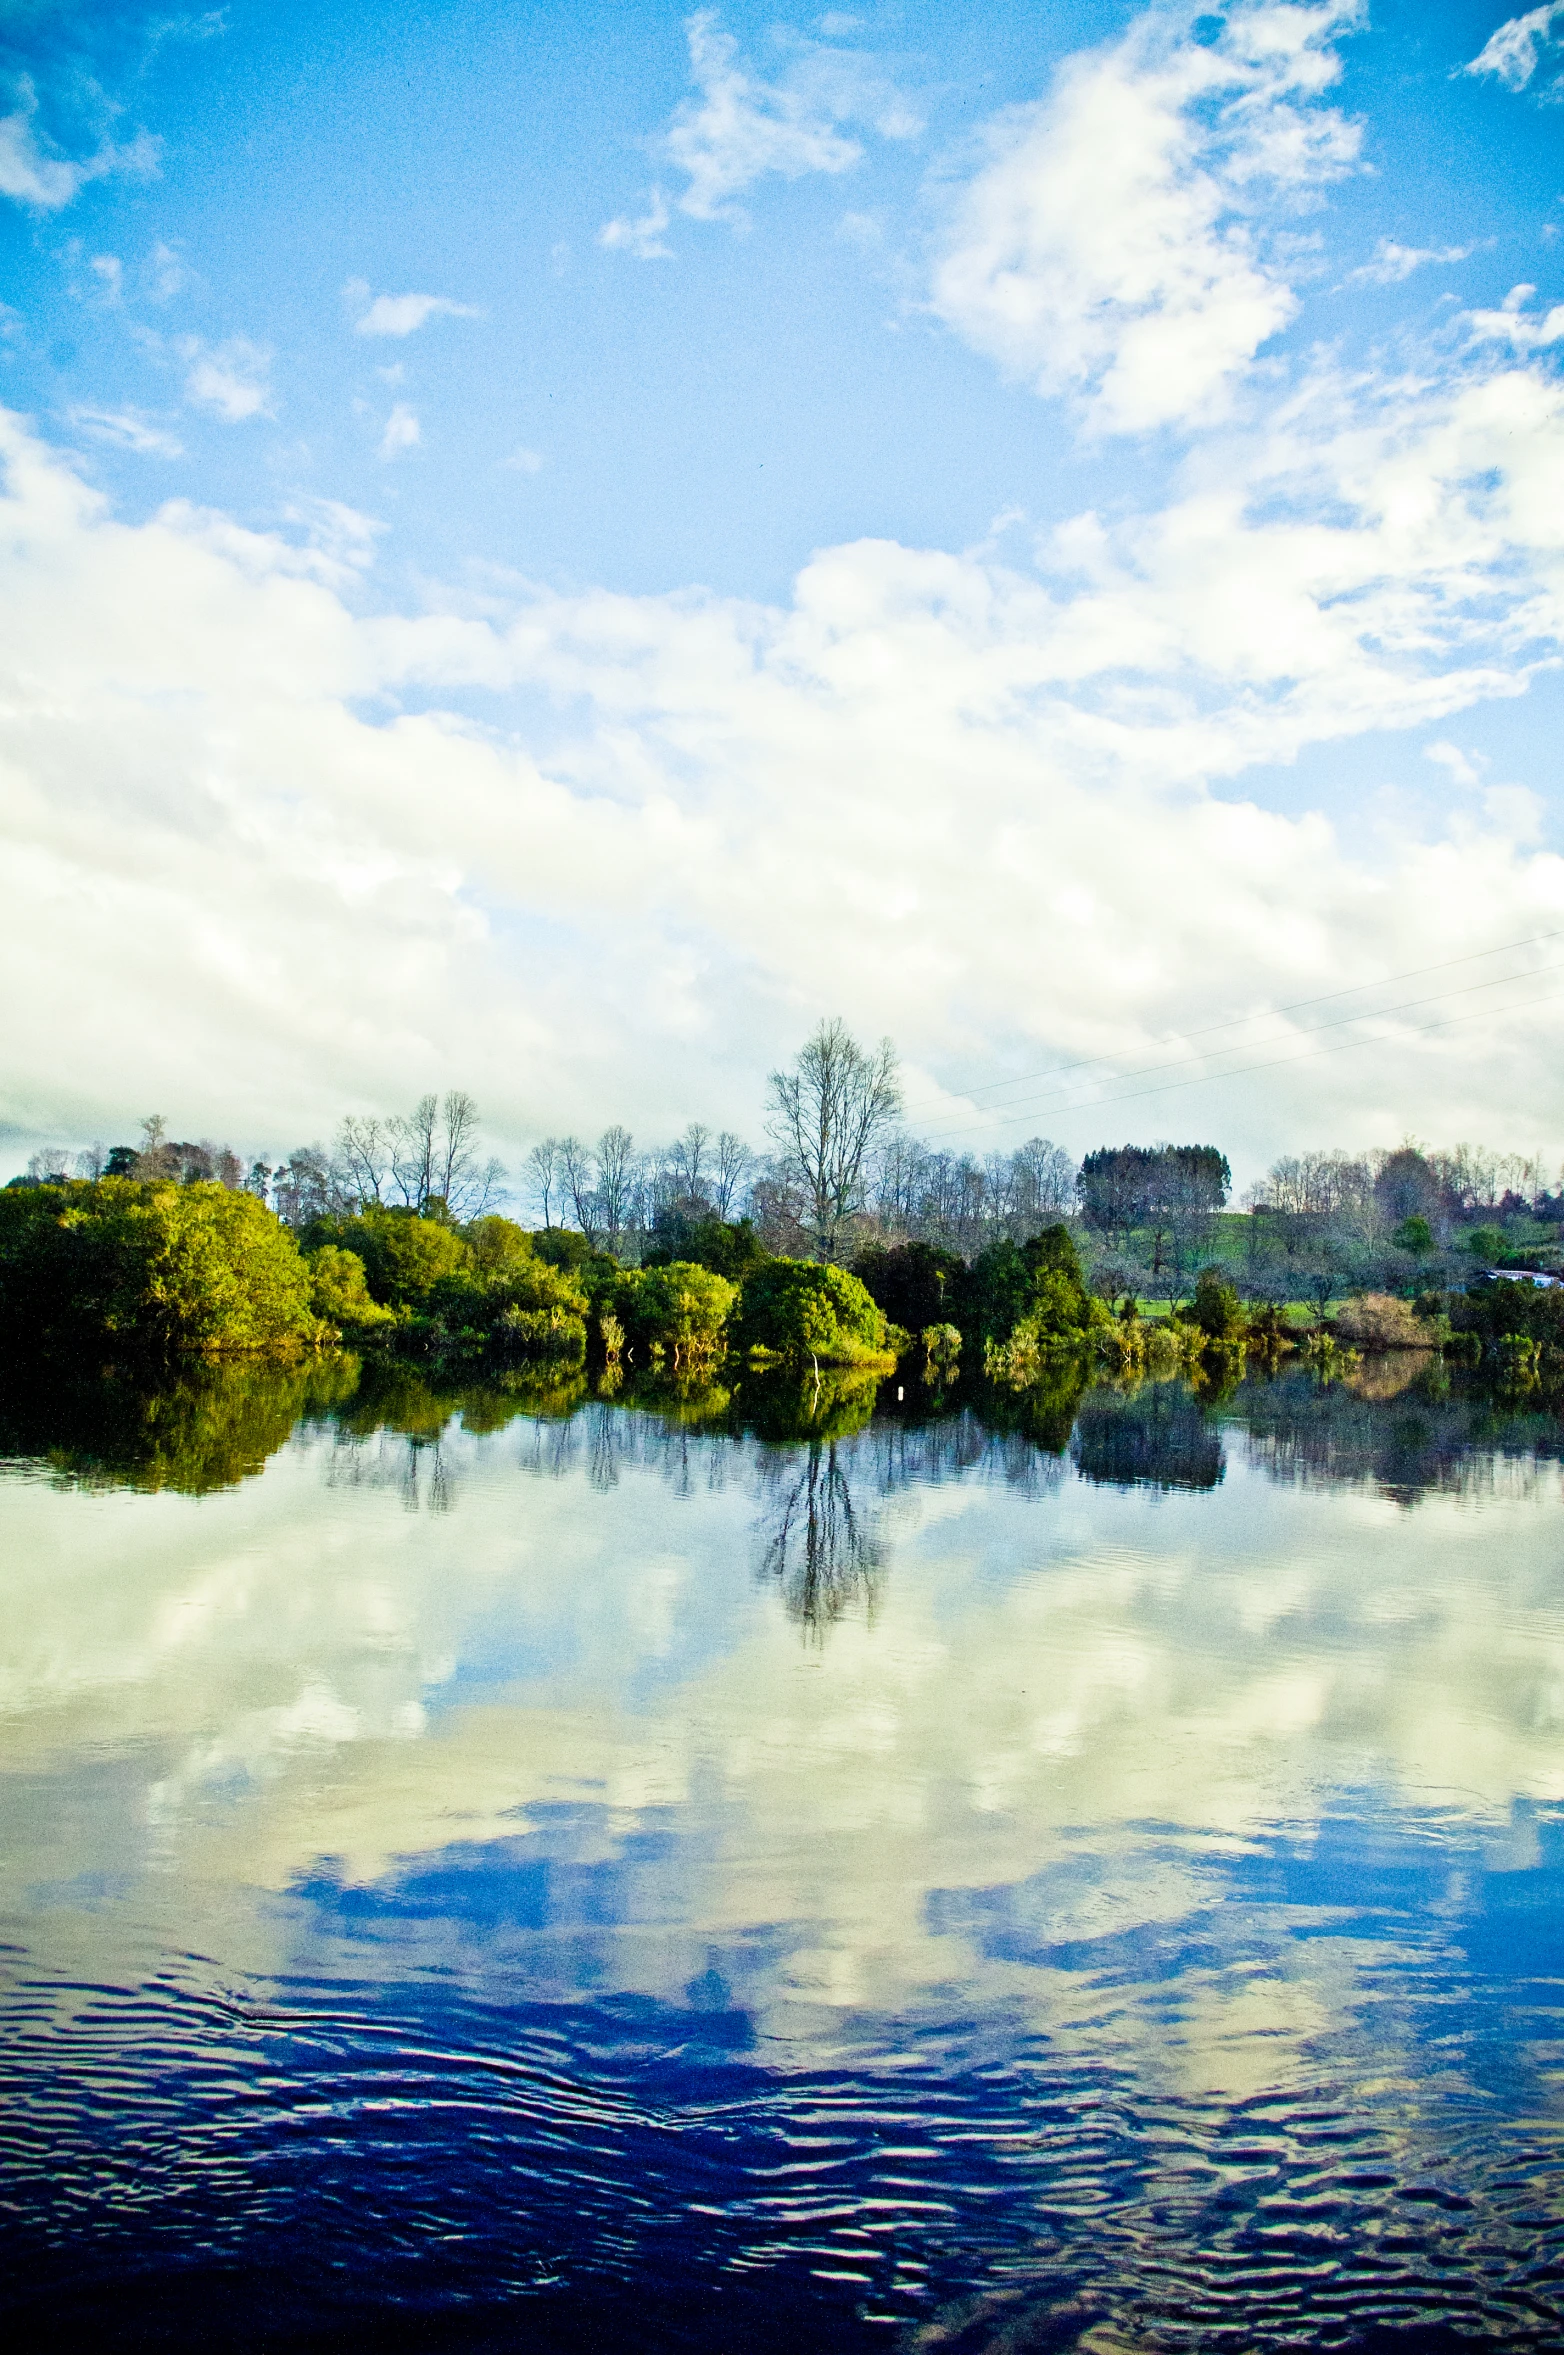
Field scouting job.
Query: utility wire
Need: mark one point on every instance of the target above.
(1314, 1030)
(1294, 1006)
(1342, 1047)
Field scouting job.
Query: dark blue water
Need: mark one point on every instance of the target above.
(574, 1878)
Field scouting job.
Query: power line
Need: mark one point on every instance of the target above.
(1315, 1030)
(1342, 1047)
(1274, 1013)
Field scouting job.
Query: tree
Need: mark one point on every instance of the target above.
(617, 1171)
(543, 1174)
(432, 1161)
(579, 1177)
(688, 1162)
(366, 1151)
(827, 1115)
(731, 1167)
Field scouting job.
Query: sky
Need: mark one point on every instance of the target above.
(546, 549)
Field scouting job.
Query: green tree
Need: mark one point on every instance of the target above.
(798, 1309)
(197, 1270)
(1415, 1235)
(682, 1309)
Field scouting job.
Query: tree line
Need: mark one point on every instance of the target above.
(839, 1174)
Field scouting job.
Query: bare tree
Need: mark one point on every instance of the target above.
(93, 1160)
(827, 1115)
(579, 1178)
(365, 1150)
(412, 1151)
(731, 1166)
(543, 1174)
(688, 1161)
(49, 1167)
(617, 1172)
(454, 1168)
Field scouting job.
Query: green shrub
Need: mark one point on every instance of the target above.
(1216, 1309)
(340, 1294)
(680, 1310)
(1035, 1295)
(404, 1256)
(182, 1271)
(796, 1309)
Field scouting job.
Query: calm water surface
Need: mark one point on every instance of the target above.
(547, 1873)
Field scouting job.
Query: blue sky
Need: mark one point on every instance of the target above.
(548, 547)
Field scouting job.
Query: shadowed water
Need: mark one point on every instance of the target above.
(769, 1867)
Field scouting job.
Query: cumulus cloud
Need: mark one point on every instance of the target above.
(1516, 324)
(1513, 54)
(231, 378)
(263, 836)
(1113, 245)
(46, 182)
(740, 128)
(402, 432)
(400, 314)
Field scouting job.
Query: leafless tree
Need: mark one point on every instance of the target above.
(366, 1151)
(49, 1167)
(579, 1178)
(543, 1175)
(617, 1172)
(93, 1160)
(432, 1157)
(689, 1162)
(827, 1115)
(730, 1167)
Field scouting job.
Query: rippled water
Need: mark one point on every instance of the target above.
(585, 1877)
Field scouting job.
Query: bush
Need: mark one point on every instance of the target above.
(1034, 1295)
(339, 1293)
(681, 1310)
(404, 1256)
(726, 1248)
(796, 1309)
(915, 1284)
(1216, 1309)
(1378, 1320)
(182, 1271)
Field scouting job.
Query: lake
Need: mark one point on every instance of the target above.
(781, 1870)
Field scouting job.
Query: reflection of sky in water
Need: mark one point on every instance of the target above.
(1144, 1896)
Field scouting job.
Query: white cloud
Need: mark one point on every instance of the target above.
(1513, 323)
(890, 795)
(1515, 51)
(400, 314)
(741, 128)
(230, 378)
(402, 432)
(641, 235)
(523, 461)
(1460, 767)
(1392, 263)
(109, 270)
(166, 273)
(128, 429)
(1111, 244)
(46, 182)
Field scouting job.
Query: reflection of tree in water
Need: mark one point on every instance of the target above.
(1154, 1437)
(1429, 1439)
(819, 1552)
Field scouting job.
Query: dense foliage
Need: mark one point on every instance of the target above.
(199, 1270)
(798, 1308)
